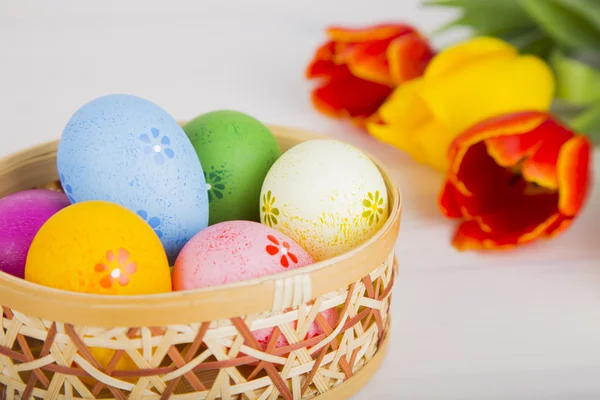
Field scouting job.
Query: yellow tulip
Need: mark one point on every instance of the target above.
(462, 85)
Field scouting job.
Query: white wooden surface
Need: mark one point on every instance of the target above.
(518, 325)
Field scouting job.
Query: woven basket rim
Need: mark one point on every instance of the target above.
(15, 291)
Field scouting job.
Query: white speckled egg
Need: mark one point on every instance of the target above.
(326, 195)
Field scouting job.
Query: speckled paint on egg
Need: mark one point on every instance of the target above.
(127, 150)
(235, 251)
(326, 195)
(236, 151)
(22, 214)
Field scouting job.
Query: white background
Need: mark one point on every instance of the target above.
(517, 325)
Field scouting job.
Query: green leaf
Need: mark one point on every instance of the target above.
(589, 9)
(588, 123)
(565, 111)
(564, 23)
(472, 3)
(530, 41)
(504, 19)
(577, 82)
(486, 17)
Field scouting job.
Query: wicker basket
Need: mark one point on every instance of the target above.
(198, 344)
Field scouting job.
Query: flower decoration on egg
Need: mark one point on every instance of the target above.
(374, 207)
(67, 188)
(270, 211)
(116, 268)
(159, 147)
(214, 185)
(283, 248)
(154, 222)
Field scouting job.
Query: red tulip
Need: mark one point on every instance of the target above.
(514, 179)
(359, 68)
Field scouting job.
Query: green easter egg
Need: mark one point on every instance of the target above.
(236, 152)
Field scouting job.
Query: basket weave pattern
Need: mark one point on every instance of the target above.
(220, 359)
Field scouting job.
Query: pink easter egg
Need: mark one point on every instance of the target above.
(22, 214)
(234, 251)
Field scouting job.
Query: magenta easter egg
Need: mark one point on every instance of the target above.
(234, 251)
(22, 214)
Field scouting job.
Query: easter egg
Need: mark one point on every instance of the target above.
(236, 152)
(127, 150)
(326, 195)
(234, 251)
(21, 216)
(98, 247)
(102, 248)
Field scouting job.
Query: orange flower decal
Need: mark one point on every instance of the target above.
(514, 179)
(116, 268)
(359, 68)
(284, 249)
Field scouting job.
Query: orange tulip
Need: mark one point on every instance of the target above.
(359, 68)
(514, 179)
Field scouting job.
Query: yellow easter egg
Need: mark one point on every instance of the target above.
(103, 248)
(98, 247)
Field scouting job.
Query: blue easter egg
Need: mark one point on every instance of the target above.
(129, 151)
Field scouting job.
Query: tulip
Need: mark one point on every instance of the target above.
(359, 68)
(462, 85)
(514, 179)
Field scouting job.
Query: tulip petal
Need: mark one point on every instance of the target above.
(365, 51)
(573, 174)
(347, 96)
(480, 79)
(448, 203)
(408, 56)
(524, 220)
(489, 88)
(404, 107)
(369, 61)
(377, 32)
(520, 222)
(407, 125)
(322, 63)
(535, 151)
(355, 69)
(483, 185)
(498, 133)
(389, 134)
(514, 179)
(435, 154)
(559, 226)
(433, 142)
(540, 168)
(478, 49)
(470, 236)
(513, 140)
